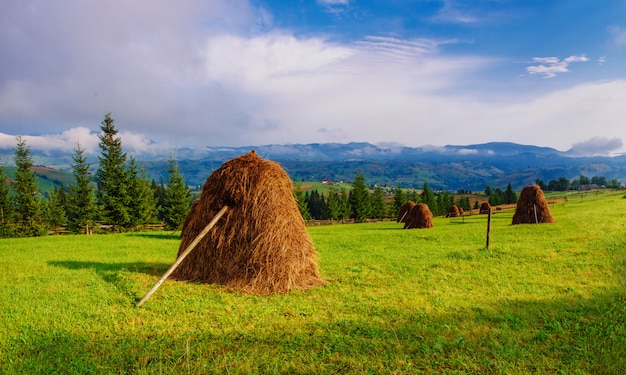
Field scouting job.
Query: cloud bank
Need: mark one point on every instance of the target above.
(195, 73)
(598, 146)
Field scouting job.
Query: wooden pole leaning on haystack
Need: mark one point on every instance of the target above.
(182, 256)
(488, 230)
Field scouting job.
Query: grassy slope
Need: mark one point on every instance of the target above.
(547, 298)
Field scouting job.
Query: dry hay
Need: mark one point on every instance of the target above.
(403, 214)
(485, 208)
(532, 207)
(419, 217)
(453, 212)
(260, 245)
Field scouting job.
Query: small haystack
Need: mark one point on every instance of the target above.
(532, 207)
(453, 212)
(403, 214)
(485, 208)
(419, 217)
(261, 244)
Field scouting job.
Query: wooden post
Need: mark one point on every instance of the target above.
(182, 256)
(535, 209)
(488, 229)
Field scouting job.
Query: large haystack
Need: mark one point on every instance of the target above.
(485, 208)
(532, 207)
(419, 217)
(261, 244)
(403, 214)
(453, 212)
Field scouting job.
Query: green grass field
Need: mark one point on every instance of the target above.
(544, 298)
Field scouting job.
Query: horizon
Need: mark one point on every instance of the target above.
(138, 145)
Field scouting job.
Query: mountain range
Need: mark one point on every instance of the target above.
(450, 167)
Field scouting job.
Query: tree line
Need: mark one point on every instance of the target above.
(119, 195)
(564, 184)
(361, 203)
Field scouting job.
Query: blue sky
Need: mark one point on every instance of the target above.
(196, 73)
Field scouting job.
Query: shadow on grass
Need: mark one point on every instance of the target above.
(149, 268)
(118, 274)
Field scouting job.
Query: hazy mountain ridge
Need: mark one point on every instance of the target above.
(448, 167)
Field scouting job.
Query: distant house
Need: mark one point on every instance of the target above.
(326, 181)
(588, 187)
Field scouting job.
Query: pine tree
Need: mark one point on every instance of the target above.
(26, 190)
(509, 195)
(142, 207)
(81, 205)
(333, 204)
(177, 197)
(344, 202)
(316, 205)
(428, 197)
(378, 203)
(302, 204)
(399, 199)
(112, 177)
(6, 207)
(54, 211)
(159, 196)
(360, 199)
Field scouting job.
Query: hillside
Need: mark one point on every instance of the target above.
(451, 167)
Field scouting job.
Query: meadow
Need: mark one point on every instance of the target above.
(546, 298)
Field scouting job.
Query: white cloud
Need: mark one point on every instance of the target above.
(333, 2)
(618, 35)
(549, 67)
(335, 7)
(453, 12)
(68, 140)
(598, 146)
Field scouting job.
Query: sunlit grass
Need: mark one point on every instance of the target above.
(542, 299)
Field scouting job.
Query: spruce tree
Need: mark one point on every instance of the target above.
(5, 200)
(159, 196)
(509, 195)
(344, 200)
(378, 203)
(177, 197)
(142, 207)
(81, 205)
(360, 199)
(112, 177)
(317, 205)
(54, 211)
(399, 199)
(333, 204)
(428, 197)
(26, 190)
(6, 208)
(303, 207)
